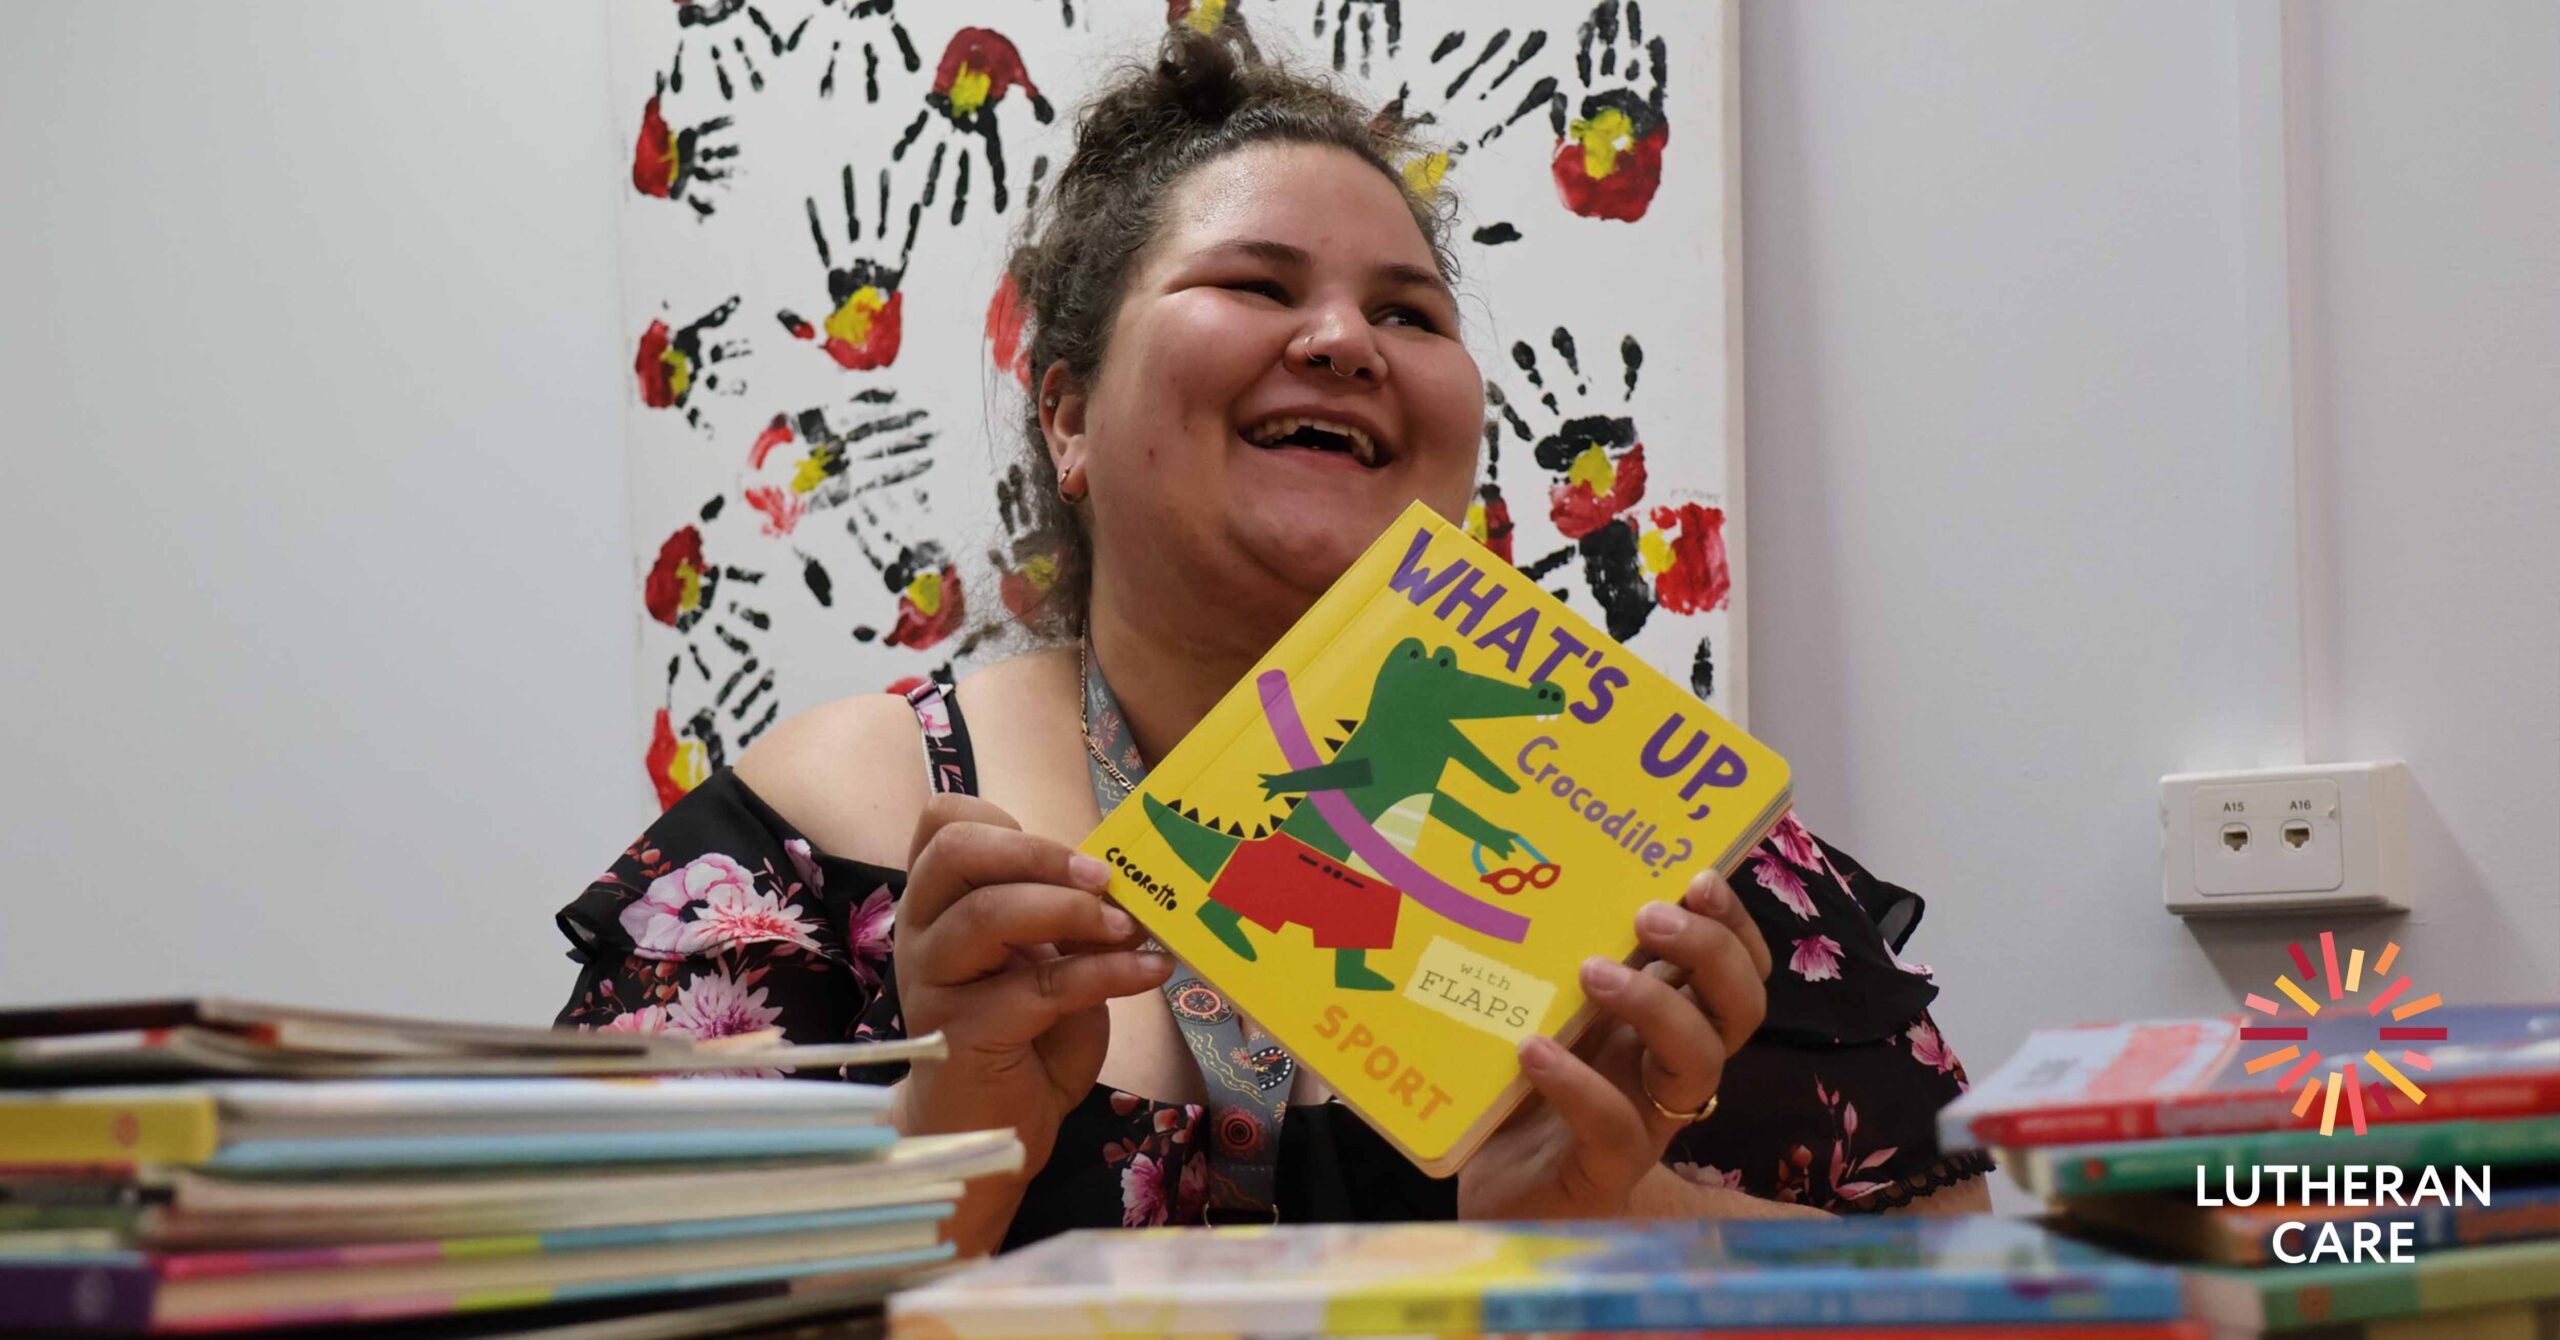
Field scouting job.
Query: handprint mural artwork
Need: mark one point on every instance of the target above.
(708, 15)
(671, 164)
(714, 675)
(978, 69)
(875, 15)
(1635, 558)
(863, 326)
(674, 366)
(901, 138)
(1030, 564)
(1381, 24)
(802, 463)
(1440, 114)
(1608, 161)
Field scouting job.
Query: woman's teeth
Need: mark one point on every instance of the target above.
(1270, 432)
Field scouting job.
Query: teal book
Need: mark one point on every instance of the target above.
(2167, 1165)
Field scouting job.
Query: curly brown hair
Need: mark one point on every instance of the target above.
(1147, 128)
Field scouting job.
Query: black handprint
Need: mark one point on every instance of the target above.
(1444, 113)
(707, 15)
(1373, 15)
(671, 367)
(860, 11)
(1608, 161)
(976, 72)
(866, 313)
(880, 447)
(708, 709)
(676, 165)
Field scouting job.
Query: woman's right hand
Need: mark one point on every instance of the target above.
(1006, 946)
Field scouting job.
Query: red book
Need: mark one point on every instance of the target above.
(2141, 1081)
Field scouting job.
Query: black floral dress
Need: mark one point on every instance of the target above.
(723, 919)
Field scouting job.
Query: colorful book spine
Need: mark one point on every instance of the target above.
(2294, 1297)
(1841, 1297)
(2246, 1236)
(108, 1126)
(213, 1265)
(2480, 1097)
(97, 1291)
(2167, 1165)
(494, 1300)
(267, 1156)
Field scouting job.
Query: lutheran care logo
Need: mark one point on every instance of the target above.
(2342, 992)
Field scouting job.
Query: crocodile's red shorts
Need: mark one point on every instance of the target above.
(1279, 881)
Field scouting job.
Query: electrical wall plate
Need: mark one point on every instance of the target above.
(2324, 837)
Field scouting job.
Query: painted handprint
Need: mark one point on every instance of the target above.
(978, 69)
(1005, 317)
(1032, 561)
(713, 687)
(1608, 161)
(866, 316)
(1381, 30)
(874, 16)
(1202, 16)
(672, 164)
(673, 367)
(804, 462)
(1635, 558)
(1456, 109)
(719, 12)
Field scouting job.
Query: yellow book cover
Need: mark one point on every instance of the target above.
(1396, 841)
(107, 1126)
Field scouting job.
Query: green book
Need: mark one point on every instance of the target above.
(2285, 1298)
(2164, 1165)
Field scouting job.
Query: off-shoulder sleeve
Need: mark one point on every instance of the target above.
(1834, 1103)
(722, 919)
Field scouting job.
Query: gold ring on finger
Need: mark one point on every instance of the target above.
(1704, 1111)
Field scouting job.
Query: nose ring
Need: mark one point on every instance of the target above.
(1325, 361)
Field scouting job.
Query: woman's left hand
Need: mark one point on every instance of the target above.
(1604, 1111)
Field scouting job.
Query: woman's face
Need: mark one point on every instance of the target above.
(1284, 377)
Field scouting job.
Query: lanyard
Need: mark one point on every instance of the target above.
(1247, 1076)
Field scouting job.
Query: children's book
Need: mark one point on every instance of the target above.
(2525, 1144)
(183, 1208)
(197, 1123)
(189, 1051)
(1456, 1279)
(2252, 1301)
(2246, 1235)
(1396, 841)
(127, 1290)
(2140, 1081)
(208, 1126)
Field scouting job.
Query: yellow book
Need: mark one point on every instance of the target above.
(107, 1126)
(1394, 844)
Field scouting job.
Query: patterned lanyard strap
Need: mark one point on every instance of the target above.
(1247, 1077)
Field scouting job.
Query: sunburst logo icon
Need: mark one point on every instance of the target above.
(2342, 992)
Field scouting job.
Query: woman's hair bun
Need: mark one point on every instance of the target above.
(1207, 75)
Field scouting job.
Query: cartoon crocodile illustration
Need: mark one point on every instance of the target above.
(1389, 769)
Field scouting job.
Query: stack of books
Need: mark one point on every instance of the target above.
(212, 1165)
(1860, 1279)
(2331, 1171)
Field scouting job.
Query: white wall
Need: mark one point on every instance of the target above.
(2023, 435)
(319, 639)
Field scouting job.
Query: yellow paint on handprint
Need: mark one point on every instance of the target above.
(969, 90)
(1422, 174)
(1603, 138)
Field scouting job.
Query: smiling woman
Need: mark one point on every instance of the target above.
(1244, 347)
